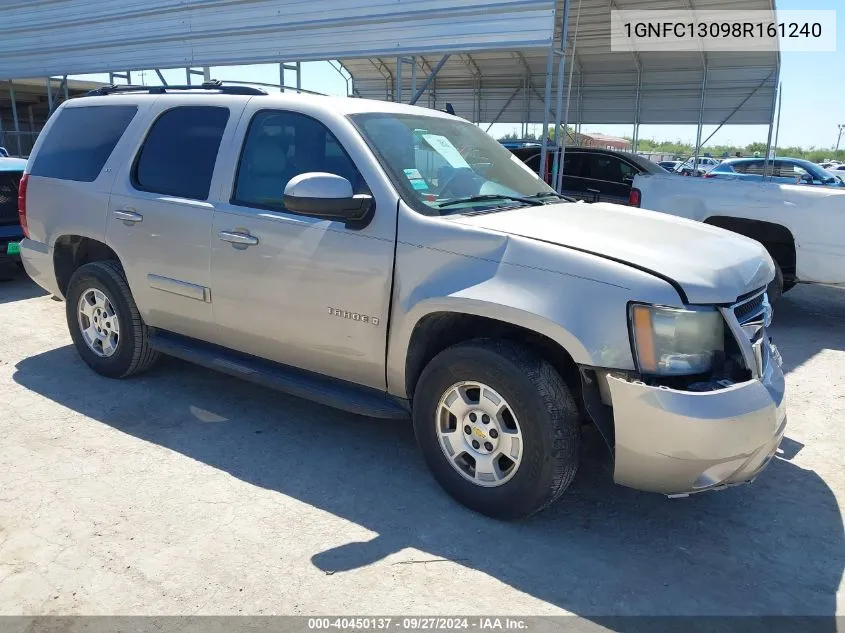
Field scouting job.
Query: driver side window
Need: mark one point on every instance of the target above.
(280, 145)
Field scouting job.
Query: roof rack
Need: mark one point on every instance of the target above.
(213, 84)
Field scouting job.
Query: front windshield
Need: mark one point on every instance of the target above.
(444, 166)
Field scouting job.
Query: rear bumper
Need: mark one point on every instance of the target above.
(37, 259)
(679, 442)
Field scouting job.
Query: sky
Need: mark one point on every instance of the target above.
(813, 94)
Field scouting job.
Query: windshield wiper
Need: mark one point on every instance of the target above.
(546, 194)
(489, 197)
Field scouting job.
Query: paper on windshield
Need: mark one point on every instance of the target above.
(444, 147)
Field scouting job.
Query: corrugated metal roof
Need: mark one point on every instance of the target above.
(604, 83)
(60, 37)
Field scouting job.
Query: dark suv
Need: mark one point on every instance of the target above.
(594, 175)
(11, 170)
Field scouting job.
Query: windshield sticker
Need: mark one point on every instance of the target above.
(412, 174)
(419, 184)
(444, 147)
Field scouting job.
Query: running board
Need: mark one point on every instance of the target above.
(331, 392)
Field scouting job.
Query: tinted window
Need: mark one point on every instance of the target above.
(178, 155)
(753, 167)
(573, 165)
(80, 142)
(281, 145)
(608, 168)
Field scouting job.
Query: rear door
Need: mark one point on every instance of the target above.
(160, 215)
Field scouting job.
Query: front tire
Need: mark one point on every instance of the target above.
(104, 321)
(522, 447)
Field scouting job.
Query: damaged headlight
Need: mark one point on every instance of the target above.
(674, 341)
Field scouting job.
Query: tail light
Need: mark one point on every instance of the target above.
(707, 175)
(635, 197)
(22, 204)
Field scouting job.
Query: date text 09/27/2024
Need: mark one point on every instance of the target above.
(417, 623)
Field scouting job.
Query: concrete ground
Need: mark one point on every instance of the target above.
(186, 491)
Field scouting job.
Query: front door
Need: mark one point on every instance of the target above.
(160, 215)
(298, 290)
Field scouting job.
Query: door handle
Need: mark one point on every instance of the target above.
(128, 215)
(235, 237)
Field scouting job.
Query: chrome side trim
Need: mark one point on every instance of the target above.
(178, 287)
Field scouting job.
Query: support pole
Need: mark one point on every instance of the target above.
(49, 94)
(413, 75)
(15, 120)
(64, 87)
(766, 163)
(700, 121)
(636, 138)
(160, 77)
(503, 108)
(777, 128)
(428, 80)
(544, 149)
(398, 92)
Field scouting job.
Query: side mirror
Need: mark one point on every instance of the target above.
(808, 178)
(328, 196)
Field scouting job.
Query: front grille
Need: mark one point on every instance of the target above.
(9, 197)
(748, 309)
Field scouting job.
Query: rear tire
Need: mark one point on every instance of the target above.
(543, 415)
(120, 338)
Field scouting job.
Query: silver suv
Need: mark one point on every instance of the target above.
(397, 262)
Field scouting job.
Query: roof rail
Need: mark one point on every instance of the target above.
(213, 84)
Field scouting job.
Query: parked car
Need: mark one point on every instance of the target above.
(593, 175)
(838, 171)
(705, 164)
(802, 227)
(669, 165)
(11, 171)
(396, 261)
(520, 144)
(784, 170)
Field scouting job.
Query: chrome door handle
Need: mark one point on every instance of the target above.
(238, 238)
(128, 215)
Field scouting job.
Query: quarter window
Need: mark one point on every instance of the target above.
(280, 145)
(179, 153)
(80, 142)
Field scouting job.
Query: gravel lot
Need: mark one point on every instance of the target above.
(185, 491)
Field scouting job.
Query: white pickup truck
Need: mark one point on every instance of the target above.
(802, 227)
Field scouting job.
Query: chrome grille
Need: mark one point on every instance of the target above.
(9, 197)
(751, 309)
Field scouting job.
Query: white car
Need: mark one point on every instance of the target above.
(802, 227)
(837, 170)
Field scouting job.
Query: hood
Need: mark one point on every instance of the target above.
(708, 264)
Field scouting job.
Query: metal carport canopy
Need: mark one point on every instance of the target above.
(508, 85)
(62, 37)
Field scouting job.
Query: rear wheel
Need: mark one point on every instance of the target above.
(498, 427)
(104, 321)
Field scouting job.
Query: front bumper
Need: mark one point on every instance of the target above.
(680, 442)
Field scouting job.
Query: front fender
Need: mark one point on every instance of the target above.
(582, 310)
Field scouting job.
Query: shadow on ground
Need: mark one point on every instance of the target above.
(16, 286)
(773, 548)
(807, 320)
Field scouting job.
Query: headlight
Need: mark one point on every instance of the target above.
(676, 342)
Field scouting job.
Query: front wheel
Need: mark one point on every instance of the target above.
(498, 427)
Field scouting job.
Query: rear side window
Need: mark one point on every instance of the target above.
(80, 142)
(179, 153)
